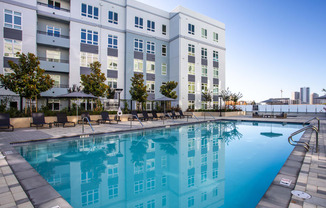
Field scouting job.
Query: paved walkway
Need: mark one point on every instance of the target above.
(312, 174)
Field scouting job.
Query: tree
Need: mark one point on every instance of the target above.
(226, 94)
(207, 97)
(138, 89)
(28, 79)
(74, 88)
(110, 93)
(167, 89)
(235, 97)
(93, 83)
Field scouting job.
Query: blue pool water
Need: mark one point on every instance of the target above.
(220, 164)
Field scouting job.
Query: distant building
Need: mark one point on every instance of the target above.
(295, 99)
(313, 99)
(304, 95)
(276, 101)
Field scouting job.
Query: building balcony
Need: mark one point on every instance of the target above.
(54, 65)
(57, 41)
(60, 11)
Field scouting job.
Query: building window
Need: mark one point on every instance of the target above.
(138, 65)
(113, 17)
(215, 72)
(163, 162)
(53, 31)
(191, 104)
(203, 104)
(150, 86)
(87, 58)
(113, 83)
(13, 19)
(191, 68)
(139, 186)
(191, 180)
(191, 87)
(204, 156)
(215, 156)
(215, 56)
(54, 4)
(150, 67)
(204, 87)
(164, 69)
(215, 191)
(150, 184)
(204, 33)
(113, 171)
(204, 196)
(215, 173)
(191, 162)
(8, 71)
(163, 50)
(150, 47)
(204, 71)
(139, 22)
(113, 191)
(54, 104)
(56, 79)
(191, 144)
(150, 165)
(112, 63)
(164, 180)
(191, 50)
(90, 197)
(53, 56)
(151, 203)
(163, 201)
(215, 36)
(141, 205)
(163, 29)
(150, 25)
(203, 176)
(89, 37)
(112, 41)
(191, 201)
(191, 29)
(89, 11)
(139, 45)
(138, 168)
(215, 89)
(12, 47)
(204, 53)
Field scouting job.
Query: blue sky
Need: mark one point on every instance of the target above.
(270, 44)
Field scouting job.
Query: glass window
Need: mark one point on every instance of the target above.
(150, 67)
(113, 83)
(89, 11)
(12, 19)
(112, 41)
(11, 47)
(53, 56)
(164, 50)
(91, 37)
(113, 191)
(191, 201)
(191, 144)
(204, 33)
(203, 176)
(215, 56)
(204, 156)
(215, 173)
(191, 104)
(139, 45)
(215, 72)
(151, 203)
(204, 196)
(204, 53)
(191, 87)
(113, 17)
(191, 50)
(204, 71)
(204, 87)
(150, 184)
(139, 22)
(53, 31)
(112, 63)
(83, 10)
(191, 162)
(150, 86)
(163, 201)
(215, 36)
(56, 79)
(164, 29)
(150, 164)
(87, 58)
(54, 4)
(191, 180)
(90, 197)
(215, 89)
(139, 186)
(191, 68)
(150, 25)
(150, 47)
(191, 29)
(138, 65)
(164, 69)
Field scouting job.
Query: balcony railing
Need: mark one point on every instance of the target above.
(52, 34)
(54, 7)
(53, 60)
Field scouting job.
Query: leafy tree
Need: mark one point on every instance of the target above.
(138, 89)
(74, 88)
(28, 79)
(110, 93)
(93, 83)
(226, 95)
(324, 90)
(167, 89)
(235, 97)
(207, 97)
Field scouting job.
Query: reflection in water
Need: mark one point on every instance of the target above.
(173, 167)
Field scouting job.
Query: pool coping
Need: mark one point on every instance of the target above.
(43, 195)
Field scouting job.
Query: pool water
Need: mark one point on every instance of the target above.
(217, 164)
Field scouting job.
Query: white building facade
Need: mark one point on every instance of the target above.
(126, 37)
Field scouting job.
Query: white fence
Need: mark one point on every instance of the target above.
(285, 108)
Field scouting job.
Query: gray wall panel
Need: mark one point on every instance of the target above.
(150, 57)
(12, 33)
(203, 79)
(88, 48)
(191, 78)
(204, 62)
(215, 81)
(113, 52)
(150, 77)
(215, 98)
(191, 96)
(6, 59)
(151, 96)
(215, 64)
(85, 70)
(191, 59)
(112, 74)
(138, 55)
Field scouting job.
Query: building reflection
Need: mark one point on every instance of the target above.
(172, 167)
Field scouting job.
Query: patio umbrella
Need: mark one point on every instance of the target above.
(76, 95)
(271, 134)
(164, 99)
(321, 97)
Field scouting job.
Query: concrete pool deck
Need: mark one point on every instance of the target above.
(21, 185)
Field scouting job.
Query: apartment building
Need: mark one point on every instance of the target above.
(126, 37)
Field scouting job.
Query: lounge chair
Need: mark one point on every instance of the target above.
(62, 119)
(39, 121)
(173, 115)
(105, 117)
(134, 116)
(256, 115)
(86, 115)
(282, 115)
(154, 113)
(117, 118)
(5, 121)
(183, 115)
(146, 117)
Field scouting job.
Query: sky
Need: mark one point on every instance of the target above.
(271, 45)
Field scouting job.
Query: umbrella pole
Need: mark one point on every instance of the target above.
(77, 112)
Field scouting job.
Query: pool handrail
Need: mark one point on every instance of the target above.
(170, 117)
(209, 114)
(305, 144)
(195, 116)
(137, 119)
(318, 120)
(88, 123)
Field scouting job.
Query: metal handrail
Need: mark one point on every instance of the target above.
(209, 114)
(195, 116)
(88, 123)
(170, 117)
(137, 119)
(305, 144)
(313, 119)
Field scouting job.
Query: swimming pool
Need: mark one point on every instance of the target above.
(217, 164)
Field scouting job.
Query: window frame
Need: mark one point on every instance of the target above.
(164, 50)
(191, 87)
(203, 70)
(113, 17)
(191, 29)
(204, 53)
(164, 29)
(215, 56)
(13, 15)
(215, 37)
(89, 58)
(149, 67)
(91, 37)
(151, 25)
(150, 86)
(191, 50)
(215, 72)
(139, 43)
(150, 47)
(137, 69)
(112, 59)
(89, 11)
(204, 33)
(139, 23)
(164, 72)
(114, 41)
(192, 67)
(13, 43)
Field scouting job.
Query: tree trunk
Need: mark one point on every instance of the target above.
(26, 104)
(36, 103)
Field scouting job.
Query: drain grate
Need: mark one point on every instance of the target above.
(301, 194)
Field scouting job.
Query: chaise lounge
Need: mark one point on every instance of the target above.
(62, 119)
(85, 121)
(5, 121)
(105, 117)
(39, 121)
